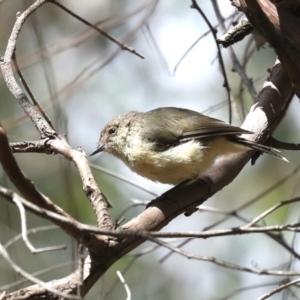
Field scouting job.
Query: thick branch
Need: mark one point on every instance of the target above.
(272, 101)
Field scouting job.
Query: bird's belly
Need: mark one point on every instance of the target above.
(174, 165)
(171, 173)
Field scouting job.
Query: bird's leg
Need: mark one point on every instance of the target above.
(165, 197)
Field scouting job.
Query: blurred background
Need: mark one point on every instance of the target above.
(83, 80)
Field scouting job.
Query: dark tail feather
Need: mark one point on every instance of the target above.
(262, 148)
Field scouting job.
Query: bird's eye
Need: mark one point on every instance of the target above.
(112, 131)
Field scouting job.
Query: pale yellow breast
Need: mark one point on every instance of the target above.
(185, 161)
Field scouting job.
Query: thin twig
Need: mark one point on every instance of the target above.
(279, 289)
(223, 263)
(282, 145)
(35, 274)
(70, 225)
(119, 43)
(28, 90)
(29, 231)
(237, 66)
(270, 210)
(246, 288)
(145, 234)
(126, 287)
(43, 127)
(236, 33)
(47, 68)
(221, 62)
(259, 196)
(23, 273)
(24, 231)
(124, 179)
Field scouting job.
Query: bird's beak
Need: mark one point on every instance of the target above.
(98, 149)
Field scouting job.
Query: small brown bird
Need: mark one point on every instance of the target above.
(171, 144)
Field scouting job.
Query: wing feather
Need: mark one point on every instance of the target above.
(170, 126)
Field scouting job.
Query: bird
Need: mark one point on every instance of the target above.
(171, 145)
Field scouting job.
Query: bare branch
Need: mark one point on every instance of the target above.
(235, 34)
(124, 179)
(220, 57)
(282, 145)
(67, 223)
(236, 64)
(279, 289)
(119, 43)
(39, 146)
(24, 231)
(23, 273)
(24, 82)
(269, 211)
(126, 287)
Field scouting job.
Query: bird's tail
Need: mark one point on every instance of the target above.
(262, 148)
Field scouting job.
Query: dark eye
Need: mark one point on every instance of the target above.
(112, 131)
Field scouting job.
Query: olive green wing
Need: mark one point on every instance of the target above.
(171, 126)
(203, 126)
